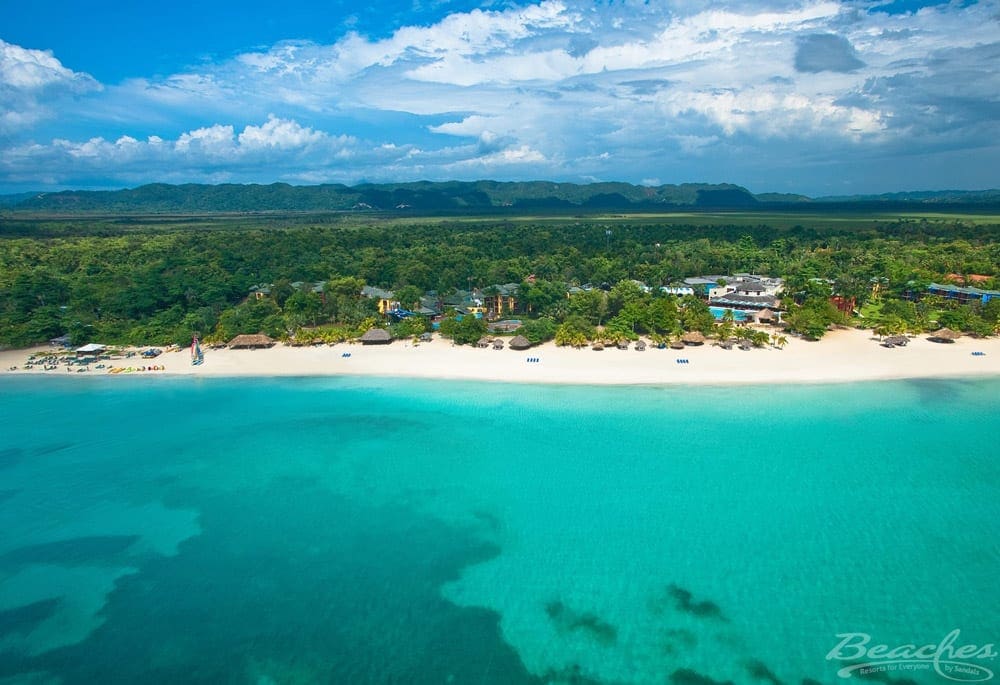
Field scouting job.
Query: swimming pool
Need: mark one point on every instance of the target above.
(738, 314)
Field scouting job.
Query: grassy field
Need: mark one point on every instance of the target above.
(28, 224)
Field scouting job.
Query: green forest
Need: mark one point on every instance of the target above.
(136, 280)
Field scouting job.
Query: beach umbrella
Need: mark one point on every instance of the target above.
(693, 338)
(519, 342)
(944, 335)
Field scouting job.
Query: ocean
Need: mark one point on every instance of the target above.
(353, 530)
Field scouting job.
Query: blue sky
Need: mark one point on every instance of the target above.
(813, 96)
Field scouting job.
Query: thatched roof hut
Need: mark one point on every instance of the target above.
(766, 315)
(622, 344)
(498, 344)
(376, 336)
(896, 341)
(640, 346)
(677, 345)
(519, 342)
(251, 342)
(426, 337)
(597, 346)
(693, 338)
(945, 335)
(484, 342)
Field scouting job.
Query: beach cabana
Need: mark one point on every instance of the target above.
(640, 346)
(250, 342)
(944, 335)
(484, 342)
(376, 336)
(426, 337)
(896, 341)
(498, 344)
(693, 338)
(766, 315)
(91, 350)
(597, 346)
(622, 344)
(519, 342)
(677, 345)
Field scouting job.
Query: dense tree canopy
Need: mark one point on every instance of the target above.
(125, 281)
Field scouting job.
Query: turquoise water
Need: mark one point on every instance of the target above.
(738, 314)
(376, 531)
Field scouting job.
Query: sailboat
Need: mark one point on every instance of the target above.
(197, 357)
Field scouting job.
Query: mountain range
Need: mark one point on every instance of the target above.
(465, 197)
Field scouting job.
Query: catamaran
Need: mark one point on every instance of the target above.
(197, 357)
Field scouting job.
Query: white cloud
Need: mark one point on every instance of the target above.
(202, 153)
(30, 82)
(559, 88)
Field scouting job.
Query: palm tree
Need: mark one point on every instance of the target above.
(724, 330)
(780, 341)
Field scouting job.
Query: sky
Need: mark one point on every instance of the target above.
(819, 97)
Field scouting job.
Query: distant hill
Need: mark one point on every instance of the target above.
(13, 200)
(452, 197)
(923, 196)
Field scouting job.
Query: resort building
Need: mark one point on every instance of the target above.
(963, 295)
(319, 287)
(701, 285)
(260, 291)
(745, 301)
(500, 299)
(386, 298)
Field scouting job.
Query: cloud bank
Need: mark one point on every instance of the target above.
(814, 96)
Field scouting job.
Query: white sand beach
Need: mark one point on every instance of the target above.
(842, 356)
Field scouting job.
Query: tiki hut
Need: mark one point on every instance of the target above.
(693, 338)
(519, 342)
(640, 346)
(896, 341)
(250, 342)
(597, 346)
(944, 335)
(622, 344)
(766, 315)
(726, 344)
(426, 337)
(484, 342)
(498, 344)
(376, 336)
(677, 345)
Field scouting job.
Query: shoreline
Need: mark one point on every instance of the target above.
(842, 356)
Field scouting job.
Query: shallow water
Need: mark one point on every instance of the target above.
(375, 531)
